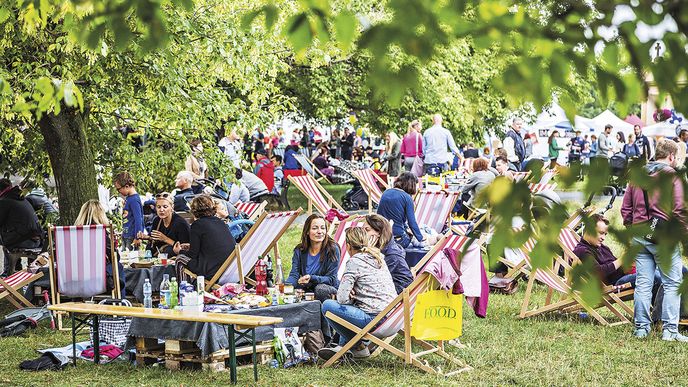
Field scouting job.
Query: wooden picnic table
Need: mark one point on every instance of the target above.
(234, 322)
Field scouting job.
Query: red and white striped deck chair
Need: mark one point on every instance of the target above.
(317, 196)
(570, 300)
(340, 239)
(520, 176)
(370, 182)
(251, 209)
(467, 165)
(539, 187)
(397, 318)
(78, 261)
(308, 166)
(433, 208)
(260, 239)
(11, 287)
(547, 176)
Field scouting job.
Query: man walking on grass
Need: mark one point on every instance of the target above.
(640, 206)
(436, 140)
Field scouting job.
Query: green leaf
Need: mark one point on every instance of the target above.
(345, 29)
(94, 36)
(4, 14)
(299, 32)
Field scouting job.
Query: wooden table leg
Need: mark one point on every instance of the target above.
(96, 339)
(232, 354)
(255, 366)
(71, 315)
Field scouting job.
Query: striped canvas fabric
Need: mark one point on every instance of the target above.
(547, 176)
(80, 259)
(395, 318)
(518, 176)
(340, 240)
(467, 164)
(369, 183)
(16, 278)
(309, 187)
(547, 277)
(434, 207)
(568, 238)
(305, 164)
(538, 187)
(262, 238)
(247, 208)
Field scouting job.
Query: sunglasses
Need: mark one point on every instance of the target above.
(163, 195)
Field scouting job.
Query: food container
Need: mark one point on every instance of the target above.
(288, 289)
(309, 296)
(289, 299)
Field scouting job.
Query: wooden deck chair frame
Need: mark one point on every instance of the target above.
(407, 354)
(570, 301)
(326, 195)
(257, 212)
(309, 163)
(55, 294)
(367, 188)
(522, 176)
(12, 292)
(236, 254)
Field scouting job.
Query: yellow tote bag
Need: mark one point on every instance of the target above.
(437, 315)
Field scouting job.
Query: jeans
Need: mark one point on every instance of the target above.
(323, 292)
(404, 240)
(408, 163)
(435, 168)
(645, 265)
(349, 313)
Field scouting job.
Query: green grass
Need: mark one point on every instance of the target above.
(502, 349)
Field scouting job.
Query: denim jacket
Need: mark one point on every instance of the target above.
(327, 274)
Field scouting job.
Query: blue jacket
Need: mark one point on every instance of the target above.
(290, 161)
(395, 258)
(519, 146)
(397, 206)
(327, 274)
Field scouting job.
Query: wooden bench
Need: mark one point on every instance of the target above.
(234, 322)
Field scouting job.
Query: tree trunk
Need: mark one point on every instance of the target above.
(71, 158)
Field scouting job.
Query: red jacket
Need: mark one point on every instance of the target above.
(633, 208)
(266, 172)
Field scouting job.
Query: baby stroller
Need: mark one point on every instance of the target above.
(342, 172)
(355, 198)
(617, 166)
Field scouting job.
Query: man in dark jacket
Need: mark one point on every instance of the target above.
(642, 142)
(347, 144)
(184, 191)
(19, 226)
(643, 207)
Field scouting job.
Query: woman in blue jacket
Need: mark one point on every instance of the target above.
(380, 233)
(316, 260)
(396, 204)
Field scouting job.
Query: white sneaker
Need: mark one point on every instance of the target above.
(674, 336)
(360, 353)
(328, 352)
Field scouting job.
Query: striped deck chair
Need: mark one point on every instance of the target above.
(260, 239)
(370, 182)
(11, 287)
(467, 165)
(397, 318)
(570, 300)
(539, 187)
(547, 176)
(310, 169)
(78, 262)
(340, 239)
(521, 176)
(251, 209)
(317, 196)
(433, 208)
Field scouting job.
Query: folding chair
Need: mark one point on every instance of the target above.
(548, 175)
(466, 165)
(251, 209)
(540, 187)
(11, 287)
(78, 263)
(369, 182)
(263, 236)
(433, 208)
(310, 168)
(340, 239)
(570, 300)
(397, 318)
(521, 176)
(317, 195)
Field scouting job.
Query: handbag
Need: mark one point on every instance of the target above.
(656, 223)
(113, 329)
(437, 315)
(417, 167)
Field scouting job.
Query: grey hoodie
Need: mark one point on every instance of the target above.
(371, 282)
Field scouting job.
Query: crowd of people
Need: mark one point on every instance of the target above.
(377, 270)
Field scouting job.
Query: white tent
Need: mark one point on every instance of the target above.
(598, 123)
(663, 129)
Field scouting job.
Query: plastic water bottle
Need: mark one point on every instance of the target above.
(200, 288)
(174, 293)
(165, 290)
(182, 293)
(147, 294)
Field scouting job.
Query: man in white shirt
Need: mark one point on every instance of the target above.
(437, 142)
(231, 147)
(513, 143)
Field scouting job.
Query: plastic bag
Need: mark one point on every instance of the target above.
(437, 315)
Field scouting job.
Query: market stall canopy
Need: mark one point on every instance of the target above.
(634, 120)
(552, 118)
(598, 123)
(663, 129)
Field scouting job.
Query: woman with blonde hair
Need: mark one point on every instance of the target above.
(92, 212)
(365, 289)
(393, 154)
(168, 227)
(412, 145)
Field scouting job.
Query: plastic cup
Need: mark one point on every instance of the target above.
(163, 258)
